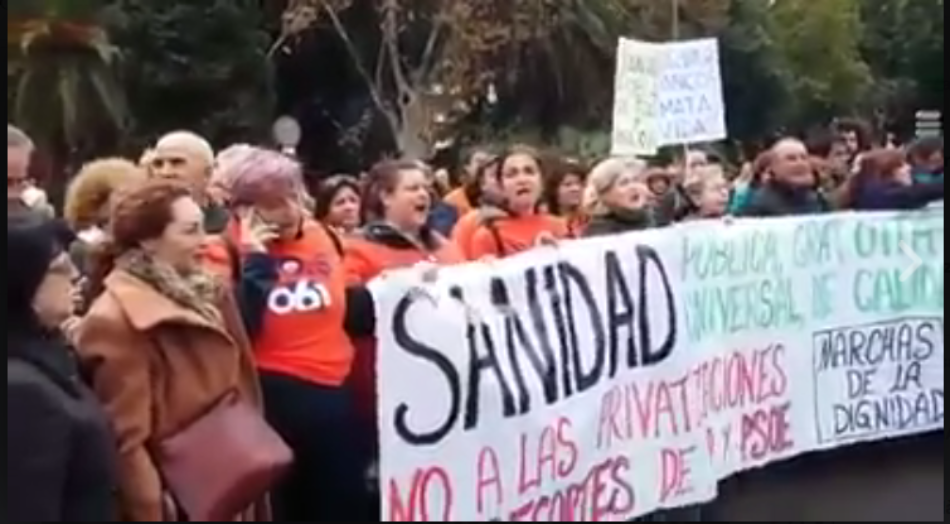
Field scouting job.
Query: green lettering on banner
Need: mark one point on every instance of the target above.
(715, 311)
(879, 247)
(818, 244)
(823, 295)
(882, 291)
(882, 240)
(751, 255)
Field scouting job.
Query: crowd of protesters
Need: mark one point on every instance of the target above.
(187, 279)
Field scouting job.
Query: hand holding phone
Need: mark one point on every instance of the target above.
(256, 233)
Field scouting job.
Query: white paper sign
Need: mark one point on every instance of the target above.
(667, 94)
(609, 378)
(636, 100)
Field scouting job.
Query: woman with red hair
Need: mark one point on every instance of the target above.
(163, 343)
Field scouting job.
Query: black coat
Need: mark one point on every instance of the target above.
(774, 200)
(619, 223)
(61, 454)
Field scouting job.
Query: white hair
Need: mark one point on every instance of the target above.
(187, 141)
(17, 138)
(604, 177)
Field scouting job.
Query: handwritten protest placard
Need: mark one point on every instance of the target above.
(636, 99)
(666, 94)
(608, 378)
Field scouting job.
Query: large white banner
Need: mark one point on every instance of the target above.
(667, 94)
(608, 378)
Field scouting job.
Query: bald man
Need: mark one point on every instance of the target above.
(189, 158)
(791, 188)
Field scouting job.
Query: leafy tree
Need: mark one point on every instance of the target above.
(196, 65)
(819, 43)
(432, 65)
(903, 45)
(61, 81)
(756, 83)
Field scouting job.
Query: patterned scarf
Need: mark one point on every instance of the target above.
(197, 291)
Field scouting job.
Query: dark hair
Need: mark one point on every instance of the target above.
(822, 142)
(881, 164)
(878, 165)
(761, 167)
(924, 148)
(861, 130)
(383, 178)
(328, 190)
(521, 149)
(473, 191)
(139, 214)
(560, 168)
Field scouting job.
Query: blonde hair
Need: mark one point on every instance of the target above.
(604, 177)
(91, 191)
(699, 179)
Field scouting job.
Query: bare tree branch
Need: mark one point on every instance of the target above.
(391, 40)
(360, 67)
(427, 62)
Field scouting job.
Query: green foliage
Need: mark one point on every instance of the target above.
(755, 81)
(820, 44)
(201, 66)
(60, 75)
(903, 45)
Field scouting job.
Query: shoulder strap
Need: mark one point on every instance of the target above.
(234, 256)
(337, 243)
(492, 225)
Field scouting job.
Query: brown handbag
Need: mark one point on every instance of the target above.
(223, 463)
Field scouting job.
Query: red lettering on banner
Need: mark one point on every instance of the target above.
(658, 409)
(489, 479)
(417, 509)
(609, 427)
(554, 458)
(605, 494)
(766, 433)
(676, 476)
(718, 441)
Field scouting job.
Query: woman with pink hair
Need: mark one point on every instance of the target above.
(300, 314)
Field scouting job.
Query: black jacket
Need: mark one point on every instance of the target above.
(892, 196)
(617, 223)
(61, 454)
(776, 200)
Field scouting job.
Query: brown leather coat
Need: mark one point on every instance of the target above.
(158, 366)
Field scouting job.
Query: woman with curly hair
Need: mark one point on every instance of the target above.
(88, 200)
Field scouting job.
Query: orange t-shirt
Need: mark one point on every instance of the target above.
(464, 232)
(302, 332)
(515, 235)
(458, 199)
(364, 259)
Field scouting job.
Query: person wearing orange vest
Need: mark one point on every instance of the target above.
(490, 204)
(300, 312)
(465, 198)
(523, 225)
(397, 202)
